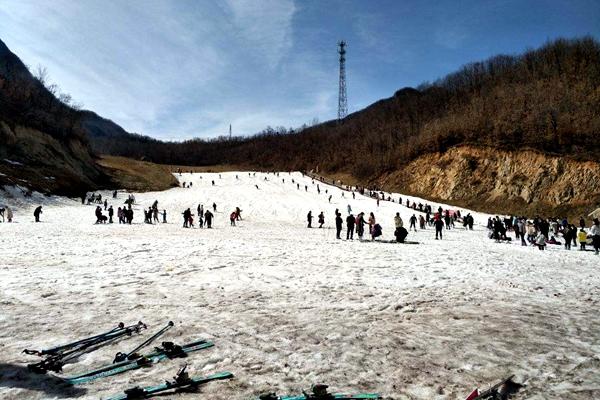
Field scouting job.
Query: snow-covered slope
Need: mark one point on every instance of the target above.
(289, 306)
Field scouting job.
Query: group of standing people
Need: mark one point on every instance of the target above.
(541, 232)
(205, 217)
(354, 224)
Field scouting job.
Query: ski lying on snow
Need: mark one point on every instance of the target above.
(182, 382)
(320, 393)
(491, 392)
(167, 350)
(337, 396)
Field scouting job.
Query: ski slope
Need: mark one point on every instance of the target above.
(288, 306)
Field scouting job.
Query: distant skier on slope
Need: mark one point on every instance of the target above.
(208, 216)
(413, 223)
(371, 223)
(36, 213)
(321, 219)
(350, 221)
(398, 223)
(309, 219)
(360, 224)
(439, 226)
(338, 225)
(595, 232)
(187, 215)
(214, 207)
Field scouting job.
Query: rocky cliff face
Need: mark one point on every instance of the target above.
(522, 182)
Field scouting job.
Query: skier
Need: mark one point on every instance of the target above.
(360, 224)
(309, 218)
(595, 232)
(164, 215)
(321, 219)
(350, 220)
(568, 233)
(338, 224)
(187, 215)
(330, 197)
(111, 212)
(214, 207)
(540, 241)
(105, 204)
(413, 223)
(208, 216)
(349, 209)
(398, 223)
(371, 222)
(439, 226)
(155, 215)
(99, 217)
(36, 213)
(232, 218)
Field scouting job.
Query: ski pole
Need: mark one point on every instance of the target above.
(55, 362)
(58, 349)
(122, 356)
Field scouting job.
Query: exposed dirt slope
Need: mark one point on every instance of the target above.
(137, 175)
(503, 181)
(36, 160)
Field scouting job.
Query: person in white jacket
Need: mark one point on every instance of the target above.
(398, 221)
(595, 232)
(540, 241)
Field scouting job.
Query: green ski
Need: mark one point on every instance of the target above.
(167, 350)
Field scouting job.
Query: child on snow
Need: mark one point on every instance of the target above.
(582, 236)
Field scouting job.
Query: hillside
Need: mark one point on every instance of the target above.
(42, 145)
(546, 101)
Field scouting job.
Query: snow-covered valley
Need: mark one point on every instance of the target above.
(288, 306)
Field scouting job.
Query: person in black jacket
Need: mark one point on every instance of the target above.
(350, 227)
(309, 218)
(338, 224)
(439, 226)
(36, 213)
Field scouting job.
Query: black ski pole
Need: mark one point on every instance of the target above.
(57, 349)
(133, 353)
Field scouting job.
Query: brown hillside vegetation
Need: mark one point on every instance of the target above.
(545, 100)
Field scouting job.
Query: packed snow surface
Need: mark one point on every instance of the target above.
(288, 306)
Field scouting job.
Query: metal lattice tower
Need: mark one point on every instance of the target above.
(342, 99)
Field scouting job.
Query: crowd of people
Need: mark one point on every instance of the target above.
(537, 232)
(542, 232)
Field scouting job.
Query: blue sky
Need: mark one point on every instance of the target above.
(188, 68)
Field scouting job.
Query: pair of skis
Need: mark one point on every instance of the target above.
(57, 357)
(319, 392)
(181, 382)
